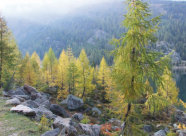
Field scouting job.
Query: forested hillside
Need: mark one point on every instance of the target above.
(93, 27)
(67, 91)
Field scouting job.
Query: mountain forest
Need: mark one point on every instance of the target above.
(106, 74)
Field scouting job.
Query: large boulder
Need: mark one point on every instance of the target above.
(160, 133)
(31, 104)
(41, 110)
(54, 132)
(60, 122)
(30, 90)
(58, 110)
(73, 102)
(13, 101)
(24, 110)
(77, 116)
(66, 125)
(91, 130)
(43, 101)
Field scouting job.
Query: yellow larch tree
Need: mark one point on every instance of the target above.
(103, 77)
(85, 75)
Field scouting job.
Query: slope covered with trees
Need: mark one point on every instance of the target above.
(92, 28)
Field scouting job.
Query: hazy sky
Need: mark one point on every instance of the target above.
(30, 7)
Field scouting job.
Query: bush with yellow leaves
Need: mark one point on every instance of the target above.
(43, 126)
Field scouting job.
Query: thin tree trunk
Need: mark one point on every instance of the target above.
(125, 119)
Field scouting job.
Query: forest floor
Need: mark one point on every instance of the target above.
(13, 124)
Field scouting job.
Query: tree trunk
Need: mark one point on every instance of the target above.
(125, 119)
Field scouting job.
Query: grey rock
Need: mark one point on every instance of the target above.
(13, 101)
(60, 122)
(31, 104)
(91, 130)
(147, 128)
(69, 131)
(160, 133)
(24, 110)
(180, 116)
(58, 110)
(21, 97)
(18, 91)
(96, 111)
(78, 116)
(40, 111)
(182, 132)
(73, 102)
(54, 132)
(30, 90)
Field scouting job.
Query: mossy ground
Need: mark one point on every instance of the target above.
(13, 124)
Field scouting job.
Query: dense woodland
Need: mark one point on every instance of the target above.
(138, 87)
(92, 28)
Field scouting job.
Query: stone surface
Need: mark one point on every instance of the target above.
(160, 133)
(54, 132)
(73, 102)
(78, 116)
(60, 122)
(182, 132)
(180, 116)
(13, 101)
(30, 90)
(96, 111)
(147, 128)
(24, 110)
(40, 111)
(91, 130)
(31, 104)
(58, 110)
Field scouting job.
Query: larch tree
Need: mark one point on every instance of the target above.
(72, 72)
(134, 62)
(62, 74)
(28, 71)
(85, 74)
(49, 66)
(168, 89)
(103, 77)
(53, 66)
(36, 63)
(45, 68)
(8, 53)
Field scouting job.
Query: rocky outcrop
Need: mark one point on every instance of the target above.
(54, 132)
(13, 101)
(147, 128)
(24, 110)
(73, 102)
(58, 110)
(160, 133)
